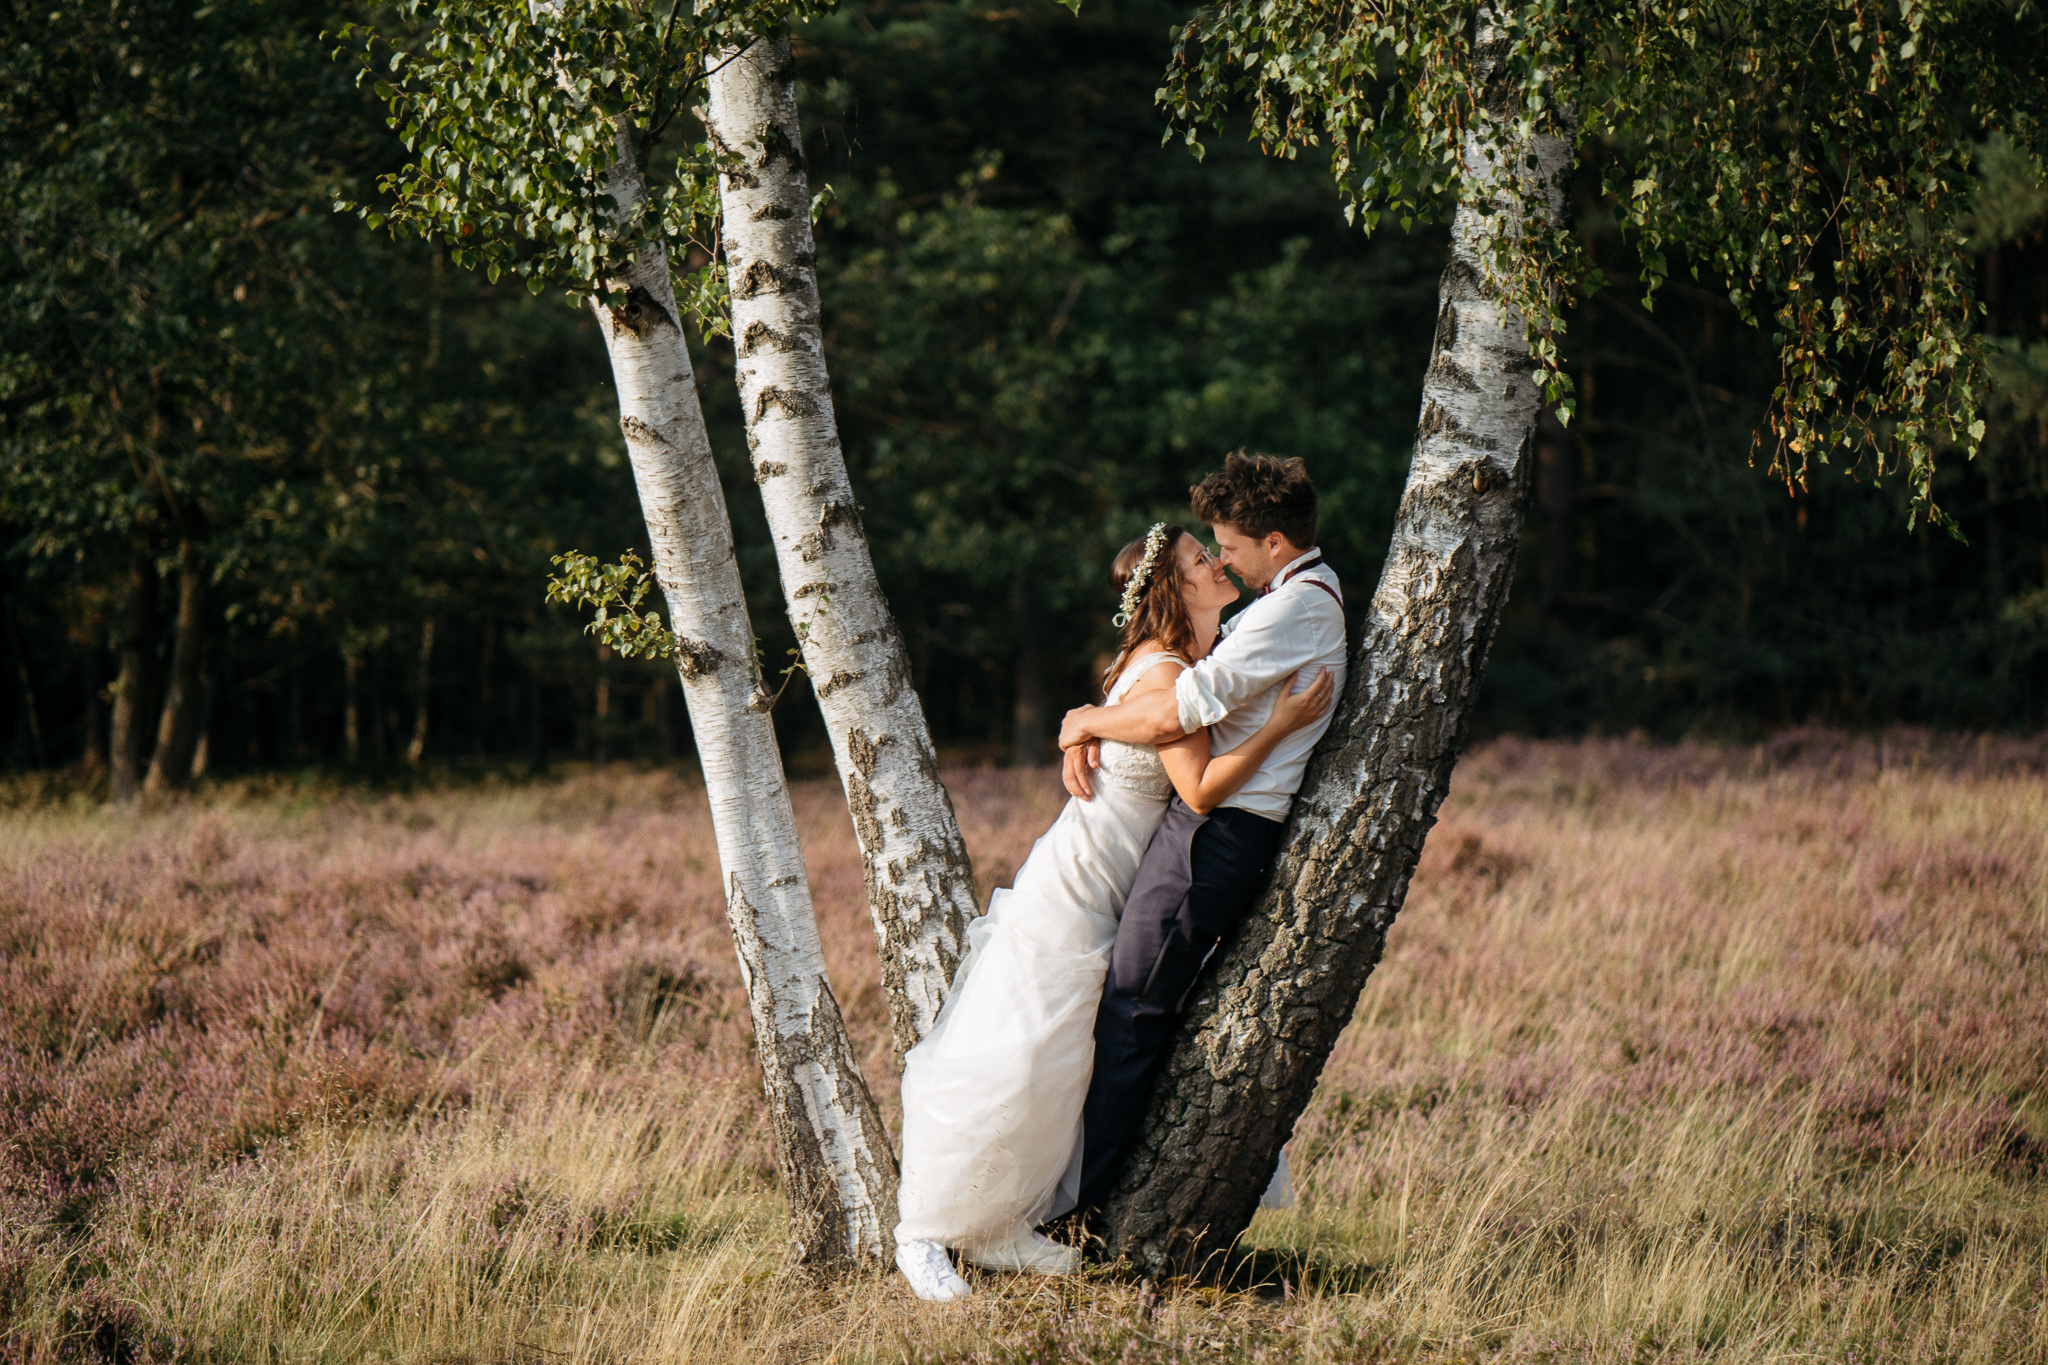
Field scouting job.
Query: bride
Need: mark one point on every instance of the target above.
(992, 1096)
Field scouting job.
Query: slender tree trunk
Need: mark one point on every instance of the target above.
(423, 686)
(31, 718)
(537, 729)
(486, 697)
(94, 665)
(1262, 1024)
(295, 717)
(177, 733)
(137, 678)
(352, 707)
(830, 1143)
(920, 884)
(201, 752)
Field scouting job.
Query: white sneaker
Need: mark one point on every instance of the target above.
(929, 1271)
(1035, 1253)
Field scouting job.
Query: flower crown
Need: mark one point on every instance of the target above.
(1155, 539)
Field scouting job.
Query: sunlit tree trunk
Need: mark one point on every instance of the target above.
(128, 735)
(919, 882)
(830, 1144)
(1262, 1023)
(177, 735)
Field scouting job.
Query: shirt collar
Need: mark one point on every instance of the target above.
(1307, 559)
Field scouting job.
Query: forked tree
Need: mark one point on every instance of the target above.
(1813, 155)
(532, 137)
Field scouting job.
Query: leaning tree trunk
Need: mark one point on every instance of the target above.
(919, 882)
(137, 678)
(1262, 1024)
(830, 1143)
(177, 734)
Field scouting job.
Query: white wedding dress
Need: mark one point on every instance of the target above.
(992, 1096)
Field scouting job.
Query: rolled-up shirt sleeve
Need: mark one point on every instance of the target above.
(1262, 649)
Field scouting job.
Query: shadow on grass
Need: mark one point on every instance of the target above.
(1267, 1272)
(1273, 1272)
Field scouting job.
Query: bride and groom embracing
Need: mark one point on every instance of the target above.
(1019, 1106)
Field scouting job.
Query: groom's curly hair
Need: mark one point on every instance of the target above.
(1161, 613)
(1260, 494)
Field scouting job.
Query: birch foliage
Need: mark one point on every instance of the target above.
(1815, 155)
(513, 123)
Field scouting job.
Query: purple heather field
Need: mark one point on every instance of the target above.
(1696, 1052)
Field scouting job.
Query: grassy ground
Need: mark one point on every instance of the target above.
(1733, 1054)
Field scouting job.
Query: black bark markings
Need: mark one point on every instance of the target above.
(636, 429)
(697, 658)
(836, 512)
(1438, 421)
(643, 315)
(792, 402)
(761, 277)
(759, 336)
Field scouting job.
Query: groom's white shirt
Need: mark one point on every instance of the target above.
(1296, 626)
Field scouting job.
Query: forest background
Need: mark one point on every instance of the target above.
(1042, 324)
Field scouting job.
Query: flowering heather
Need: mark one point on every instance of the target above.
(1676, 1053)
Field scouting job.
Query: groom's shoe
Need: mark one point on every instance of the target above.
(929, 1271)
(1033, 1252)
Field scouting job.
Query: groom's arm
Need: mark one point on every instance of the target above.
(1149, 718)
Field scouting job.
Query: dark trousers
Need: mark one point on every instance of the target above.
(1198, 879)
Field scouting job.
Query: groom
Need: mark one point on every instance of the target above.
(1201, 874)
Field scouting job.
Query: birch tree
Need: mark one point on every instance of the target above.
(920, 884)
(544, 174)
(1815, 155)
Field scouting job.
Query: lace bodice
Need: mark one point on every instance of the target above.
(1135, 768)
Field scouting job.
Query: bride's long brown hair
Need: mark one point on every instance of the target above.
(1161, 612)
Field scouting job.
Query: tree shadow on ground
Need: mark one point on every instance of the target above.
(1267, 1272)
(1277, 1272)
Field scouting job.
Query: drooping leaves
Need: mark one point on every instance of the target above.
(1814, 154)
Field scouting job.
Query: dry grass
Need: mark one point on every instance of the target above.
(1734, 1054)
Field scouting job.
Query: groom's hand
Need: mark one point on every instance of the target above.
(1074, 727)
(1074, 766)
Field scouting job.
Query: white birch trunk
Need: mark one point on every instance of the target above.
(830, 1144)
(919, 882)
(1262, 1023)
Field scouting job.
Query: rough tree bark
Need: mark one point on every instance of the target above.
(920, 884)
(1262, 1023)
(423, 688)
(137, 678)
(177, 733)
(830, 1144)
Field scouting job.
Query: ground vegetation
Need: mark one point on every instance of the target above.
(1694, 1053)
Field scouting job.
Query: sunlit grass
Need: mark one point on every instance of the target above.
(1730, 1054)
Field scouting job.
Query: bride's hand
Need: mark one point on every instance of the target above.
(1294, 709)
